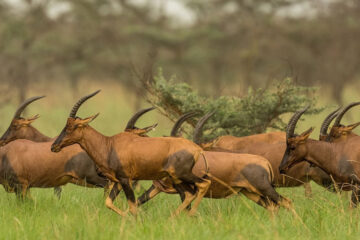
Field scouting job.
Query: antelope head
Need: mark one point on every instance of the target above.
(73, 130)
(180, 121)
(130, 127)
(19, 127)
(340, 131)
(296, 149)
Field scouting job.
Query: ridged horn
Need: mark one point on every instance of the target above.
(80, 102)
(136, 116)
(292, 122)
(198, 128)
(327, 121)
(24, 105)
(180, 121)
(342, 113)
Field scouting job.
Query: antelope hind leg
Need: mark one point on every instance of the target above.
(308, 190)
(202, 187)
(146, 196)
(188, 198)
(261, 201)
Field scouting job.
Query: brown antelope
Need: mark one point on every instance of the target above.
(300, 174)
(21, 128)
(340, 160)
(230, 173)
(79, 164)
(128, 156)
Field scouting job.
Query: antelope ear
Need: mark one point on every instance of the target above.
(349, 128)
(142, 131)
(83, 122)
(305, 135)
(30, 120)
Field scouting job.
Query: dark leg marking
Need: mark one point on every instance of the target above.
(57, 192)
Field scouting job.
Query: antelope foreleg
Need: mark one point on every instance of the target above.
(57, 192)
(109, 202)
(130, 196)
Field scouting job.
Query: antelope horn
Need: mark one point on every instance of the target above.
(24, 105)
(180, 121)
(342, 112)
(80, 102)
(292, 122)
(326, 123)
(133, 119)
(198, 128)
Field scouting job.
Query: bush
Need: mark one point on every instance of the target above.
(254, 113)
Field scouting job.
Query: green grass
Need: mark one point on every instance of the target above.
(81, 213)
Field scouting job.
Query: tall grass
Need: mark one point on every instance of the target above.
(81, 214)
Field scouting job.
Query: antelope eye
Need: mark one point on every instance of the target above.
(292, 148)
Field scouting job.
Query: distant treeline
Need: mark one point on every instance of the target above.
(227, 42)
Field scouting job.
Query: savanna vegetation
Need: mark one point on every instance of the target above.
(252, 62)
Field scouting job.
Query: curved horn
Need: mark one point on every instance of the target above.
(24, 105)
(292, 122)
(133, 119)
(198, 128)
(342, 112)
(81, 101)
(326, 123)
(180, 121)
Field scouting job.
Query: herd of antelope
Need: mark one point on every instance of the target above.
(252, 165)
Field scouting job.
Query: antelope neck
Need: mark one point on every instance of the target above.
(97, 146)
(322, 154)
(37, 136)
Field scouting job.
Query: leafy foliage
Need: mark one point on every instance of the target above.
(256, 112)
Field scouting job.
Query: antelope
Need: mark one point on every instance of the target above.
(128, 156)
(233, 143)
(82, 168)
(300, 174)
(21, 128)
(340, 160)
(229, 173)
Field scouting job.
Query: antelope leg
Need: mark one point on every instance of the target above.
(109, 202)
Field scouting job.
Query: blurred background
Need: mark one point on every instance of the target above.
(67, 48)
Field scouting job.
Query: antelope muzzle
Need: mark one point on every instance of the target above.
(58, 144)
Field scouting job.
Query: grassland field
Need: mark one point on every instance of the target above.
(81, 213)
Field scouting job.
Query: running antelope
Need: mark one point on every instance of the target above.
(229, 173)
(340, 160)
(300, 174)
(128, 156)
(21, 128)
(29, 169)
